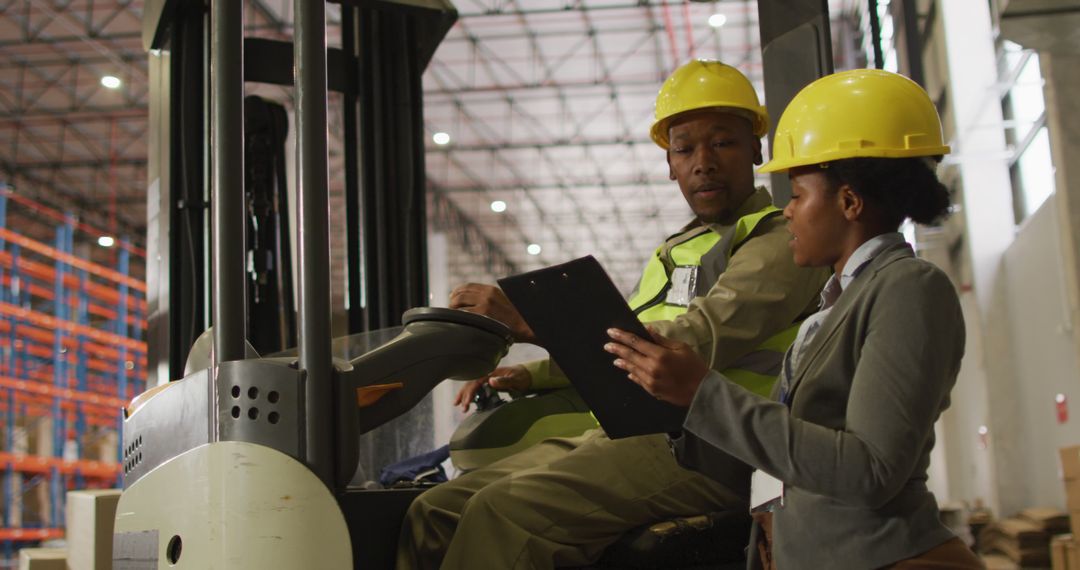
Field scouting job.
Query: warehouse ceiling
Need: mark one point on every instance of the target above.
(546, 105)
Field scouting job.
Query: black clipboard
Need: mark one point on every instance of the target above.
(570, 307)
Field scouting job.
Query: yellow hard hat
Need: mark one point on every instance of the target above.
(704, 84)
(858, 113)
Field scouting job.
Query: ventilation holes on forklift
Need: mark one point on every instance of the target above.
(132, 447)
(172, 551)
(272, 397)
(131, 461)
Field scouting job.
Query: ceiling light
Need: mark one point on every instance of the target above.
(106, 241)
(498, 206)
(533, 249)
(717, 20)
(111, 82)
(441, 138)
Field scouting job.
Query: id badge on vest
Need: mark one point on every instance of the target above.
(683, 285)
(766, 492)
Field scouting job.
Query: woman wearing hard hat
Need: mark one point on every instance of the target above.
(842, 447)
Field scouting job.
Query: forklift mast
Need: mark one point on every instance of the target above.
(386, 45)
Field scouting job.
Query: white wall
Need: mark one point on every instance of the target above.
(968, 459)
(1028, 331)
(1043, 352)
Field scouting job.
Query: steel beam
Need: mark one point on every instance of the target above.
(83, 163)
(542, 145)
(89, 208)
(84, 115)
(449, 217)
(86, 37)
(573, 186)
(561, 8)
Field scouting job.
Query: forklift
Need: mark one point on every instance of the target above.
(244, 454)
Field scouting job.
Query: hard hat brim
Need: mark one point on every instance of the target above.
(841, 154)
(759, 121)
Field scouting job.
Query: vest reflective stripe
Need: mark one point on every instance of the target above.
(757, 370)
(689, 252)
(759, 384)
(648, 298)
(661, 312)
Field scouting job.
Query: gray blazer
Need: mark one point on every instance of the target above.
(854, 446)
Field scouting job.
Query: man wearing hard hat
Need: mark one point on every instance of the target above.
(725, 284)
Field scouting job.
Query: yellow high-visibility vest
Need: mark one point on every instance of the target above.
(709, 252)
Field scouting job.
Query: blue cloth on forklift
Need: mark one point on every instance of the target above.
(426, 467)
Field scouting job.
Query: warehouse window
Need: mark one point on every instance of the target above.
(1024, 109)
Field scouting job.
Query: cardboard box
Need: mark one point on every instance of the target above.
(101, 444)
(30, 502)
(1072, 555)
(43, 559)
(998, 562)
(33, 435)
(15, 508)
(1072, 495)
(1070, 462)
(1074, 522)
(1070, 472)
(37, 504)
(1048, 519)
(1058, 552)
(90, 516)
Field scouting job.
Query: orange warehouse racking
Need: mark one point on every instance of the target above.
(71, 355)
